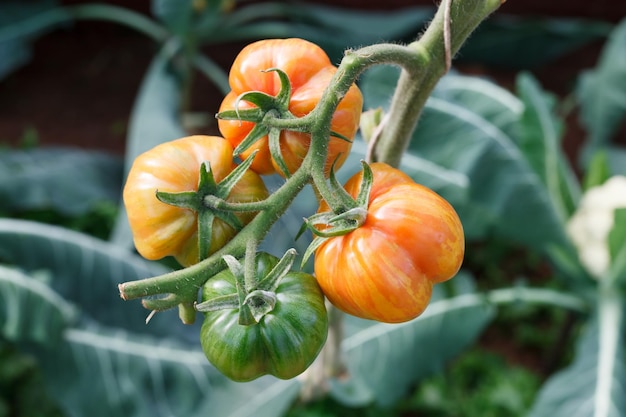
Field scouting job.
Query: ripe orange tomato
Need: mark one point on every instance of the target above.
(160, 229)
(385, 270)
(310, 71)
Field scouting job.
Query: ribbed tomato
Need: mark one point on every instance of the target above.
(385, 270)
(160, 229)
(310, 71)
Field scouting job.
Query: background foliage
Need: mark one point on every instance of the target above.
(69, 346)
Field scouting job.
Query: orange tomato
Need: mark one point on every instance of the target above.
(160, 229)
(310, 71)
(385, 270)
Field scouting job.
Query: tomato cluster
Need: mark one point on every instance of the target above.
(189, 197)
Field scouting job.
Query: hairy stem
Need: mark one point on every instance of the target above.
(417, 82)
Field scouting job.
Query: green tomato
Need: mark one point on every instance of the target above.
(283, 343)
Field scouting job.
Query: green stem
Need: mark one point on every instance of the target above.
(249, 275)
(221, 204)
(196, 275)
(352, 65)
(418, 79)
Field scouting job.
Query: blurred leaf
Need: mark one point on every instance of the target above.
(154, 120)
(504, 196)
(617, 247)
(528, 43)
(388, 359)
(617, 159)
(70, 181)
(20, 24)
(102, 372)
(175, 14)
(540, 141)
(30, 310)
(595, 383)
(86, 271)
(602, 92)
(598, 170)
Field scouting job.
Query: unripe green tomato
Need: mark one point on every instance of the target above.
(283, 343)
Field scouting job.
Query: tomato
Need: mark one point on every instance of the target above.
(385, 270)
(283, 343)
(310, 71)
(160, 229)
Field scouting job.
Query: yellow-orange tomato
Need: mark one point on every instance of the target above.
(160, 229)
(310, 71)
(385, 270)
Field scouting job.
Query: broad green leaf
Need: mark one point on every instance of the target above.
(154, 120)
(598, 170)
(528, 43)
(540, 142)
(68, 180)
(175, 14)
(385, 360)
(602, 92)
(30, 310)
(504, 195)
(594, 385)
(97, 371)
(617, 159)
(86, 271)
(20, 24)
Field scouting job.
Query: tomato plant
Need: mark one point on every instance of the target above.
(309, 71)
(286, 339)
(385, 269)
(161, 229)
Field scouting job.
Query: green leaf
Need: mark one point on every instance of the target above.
(617, 247)
(70, 181)
(98, 371)
(388, 359)
(85, 271)
(30, 310)
(528, 43)
(154, 120)
(175, 14)
(540, 141)
(598, 170)
(595, 383)
(602, 92)
(498, 191)
(20, 24)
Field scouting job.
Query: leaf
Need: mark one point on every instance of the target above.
(154, 120)
(540, 141)
(385, 360)
(86, 271)
(70, 181)
(528, 43)
(617, 247)
(503, 194)
(602, 92)
(30, 310)
(594, 385)
(98, 371)
(20, 24)
(176, 14)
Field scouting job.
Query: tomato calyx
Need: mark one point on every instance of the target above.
(256, 295)
(208, 189)
(348, 214)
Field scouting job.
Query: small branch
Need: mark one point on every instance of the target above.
(446, 34)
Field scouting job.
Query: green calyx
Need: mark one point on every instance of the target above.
(256, 293)
(205, 201)
(348, 214)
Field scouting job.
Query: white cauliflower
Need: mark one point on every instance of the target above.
(590, 225)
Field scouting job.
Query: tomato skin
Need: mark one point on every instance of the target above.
(310, 71)
(284, 342)
(385, 270)
(160, 229)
